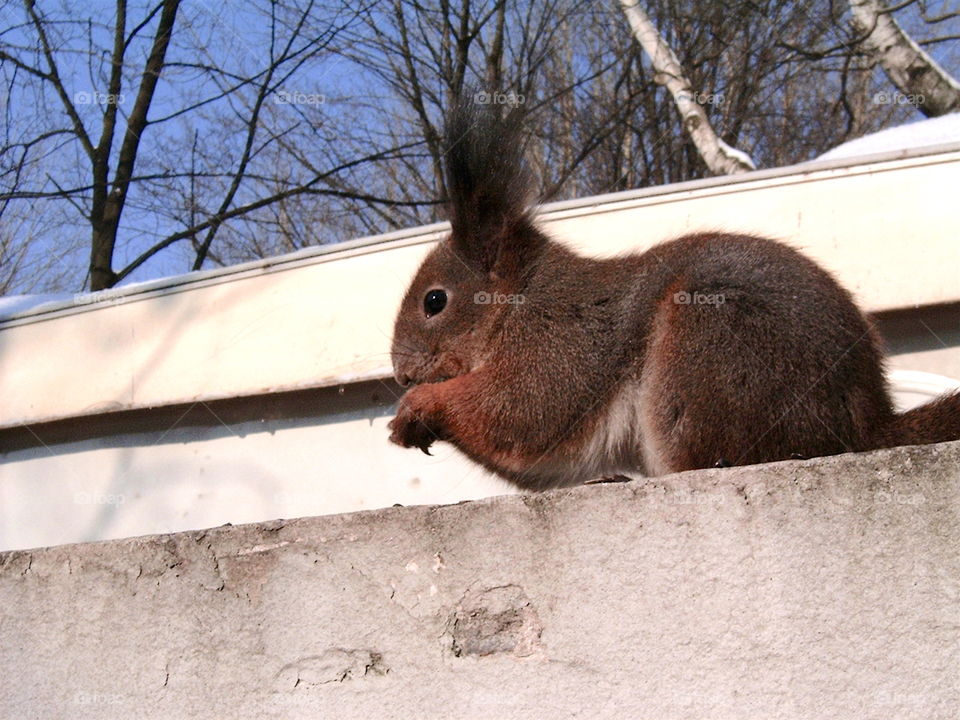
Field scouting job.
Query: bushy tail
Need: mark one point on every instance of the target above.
(937, 421)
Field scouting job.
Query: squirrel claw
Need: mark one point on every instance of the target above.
(409, 431)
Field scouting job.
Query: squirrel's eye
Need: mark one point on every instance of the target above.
(434, 301)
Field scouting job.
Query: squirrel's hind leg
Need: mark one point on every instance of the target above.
(722, 385)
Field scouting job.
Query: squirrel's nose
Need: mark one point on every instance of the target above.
(402, 378)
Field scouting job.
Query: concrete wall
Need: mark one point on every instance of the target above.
(821, 589)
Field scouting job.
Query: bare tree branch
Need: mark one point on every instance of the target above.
(307, 189)
(53, 77)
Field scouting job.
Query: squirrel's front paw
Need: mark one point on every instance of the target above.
(414, 425)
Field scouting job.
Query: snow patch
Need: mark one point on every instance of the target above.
(14, 304)
(739, 155)
(11, 305)
(923, 133)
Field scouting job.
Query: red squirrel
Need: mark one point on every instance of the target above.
(549, 368)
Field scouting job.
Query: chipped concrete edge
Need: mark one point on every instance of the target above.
(828, 583)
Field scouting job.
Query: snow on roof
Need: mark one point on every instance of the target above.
(13, 304)
(923, 133)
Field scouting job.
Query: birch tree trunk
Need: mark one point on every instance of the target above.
(917, 75)
(720, 158)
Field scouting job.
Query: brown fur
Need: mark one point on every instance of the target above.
(601, 368)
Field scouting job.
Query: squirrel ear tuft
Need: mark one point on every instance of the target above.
(490, 186)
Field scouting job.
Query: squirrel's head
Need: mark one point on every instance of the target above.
(448, 320)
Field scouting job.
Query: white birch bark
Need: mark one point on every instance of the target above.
(916, 75)
(720, 158)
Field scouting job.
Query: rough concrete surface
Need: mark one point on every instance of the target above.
(818, 589)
